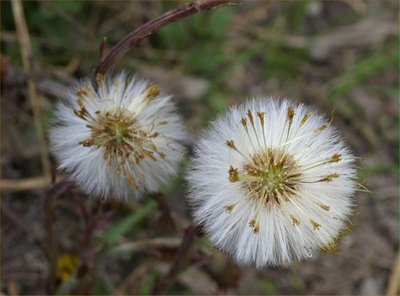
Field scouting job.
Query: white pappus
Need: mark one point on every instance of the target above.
(272, 182)
(122, 139)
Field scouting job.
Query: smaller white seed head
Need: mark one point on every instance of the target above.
(122, 139)
(272, 182)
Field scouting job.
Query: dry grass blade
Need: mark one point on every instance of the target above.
(25, 44)
(393, 285)
(15, 185)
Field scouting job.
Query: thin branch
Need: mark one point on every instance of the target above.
(150, 27)
(25, 44)
(49, 209)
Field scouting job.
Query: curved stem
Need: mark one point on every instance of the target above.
(181, 260)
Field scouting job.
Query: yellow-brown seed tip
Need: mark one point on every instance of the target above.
(132, 182)
(320, 129)
(229, 208)
(250, 115)
(305, 118)
(244, 122)
(329, 178)
(100, 78)
(332, 247)
(152, 91)
(295, 220)
(82, 92)
(154, 135)
(336, 157)
(233, 174)
(87, 143)
(325, 207)
(261, 116)
(254, 225)
(230, 144)
(316, 226)
(290, 113)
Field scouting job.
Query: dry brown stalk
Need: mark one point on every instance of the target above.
(26, 52)
(393, 284)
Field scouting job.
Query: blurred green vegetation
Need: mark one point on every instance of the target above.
(202, 44)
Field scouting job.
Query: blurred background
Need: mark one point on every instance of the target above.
(328, 54)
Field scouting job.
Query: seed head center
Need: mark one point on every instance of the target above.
(114, 130)
(272, 178)
(271, 175)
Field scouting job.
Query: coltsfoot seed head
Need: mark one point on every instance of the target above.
(122, 139)
(272, 182)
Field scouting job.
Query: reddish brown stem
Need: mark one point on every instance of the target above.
(181, 260)
(52, 240)
(150, 27)
(166, 221)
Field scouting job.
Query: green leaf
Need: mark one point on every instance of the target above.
(377, 169)
(112, 235)
(269, 287)
(147, 286)
(359, 72)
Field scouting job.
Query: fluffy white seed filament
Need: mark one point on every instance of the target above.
(119, 139)
(272, 183)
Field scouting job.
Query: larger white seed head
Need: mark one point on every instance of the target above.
(122, 139)
(272, 182)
